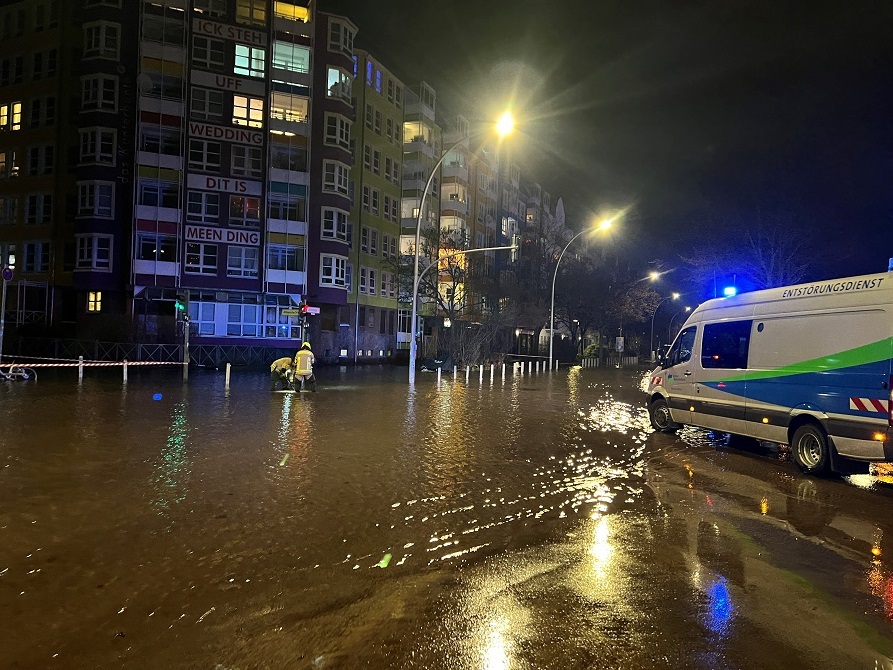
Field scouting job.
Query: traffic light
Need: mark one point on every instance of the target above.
(303, 307)
(180, 305)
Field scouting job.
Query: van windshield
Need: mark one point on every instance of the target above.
(682, 347)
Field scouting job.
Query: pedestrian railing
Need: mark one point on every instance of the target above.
(610, 361)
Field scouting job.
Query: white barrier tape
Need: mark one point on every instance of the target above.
(88, 365)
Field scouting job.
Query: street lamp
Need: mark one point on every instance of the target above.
(604, 225)
(504, 125)
(673, 296)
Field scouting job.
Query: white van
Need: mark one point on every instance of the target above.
(806, 365)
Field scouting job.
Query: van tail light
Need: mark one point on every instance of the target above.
(890, 403)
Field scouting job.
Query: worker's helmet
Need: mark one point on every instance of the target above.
(306, 345)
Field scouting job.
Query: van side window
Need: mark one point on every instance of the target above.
(681, 351)
(725, 345)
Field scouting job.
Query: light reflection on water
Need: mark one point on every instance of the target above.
(172, 467)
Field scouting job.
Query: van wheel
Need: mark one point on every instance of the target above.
(810, 449)
(659, 412)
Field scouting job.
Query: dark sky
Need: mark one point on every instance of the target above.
(703, 115)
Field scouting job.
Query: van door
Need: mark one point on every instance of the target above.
(678, 375)
(719, 376)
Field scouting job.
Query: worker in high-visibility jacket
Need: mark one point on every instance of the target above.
(303, 367)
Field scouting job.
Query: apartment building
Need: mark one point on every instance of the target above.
(377, 191)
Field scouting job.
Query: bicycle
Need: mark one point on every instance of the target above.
(15, 372)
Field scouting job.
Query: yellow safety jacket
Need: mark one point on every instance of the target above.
(304, 360)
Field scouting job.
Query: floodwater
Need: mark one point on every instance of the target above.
(535, 522)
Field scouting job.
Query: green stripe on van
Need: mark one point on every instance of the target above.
(869, 353)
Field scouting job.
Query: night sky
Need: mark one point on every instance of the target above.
(705, 116)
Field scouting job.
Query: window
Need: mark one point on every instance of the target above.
(202, 207)
(244, 211)
(162, 85)
(201, 316)
(152, 247)
(248, 111)
(241, 261)
(99, 93)
(339, 84)
(207, 52)
(375, 200)
(371, 281)
(334, 224)
(396, 173)
(388, 285)
(103, 3)
(163, 29)
(285, 257)
(340, 37)
(335, 177)
(369, 115)
(725, 345)
(210, 7)
(286, 9)
(292, 57)
(157, 193)
(377, 127)
(378, 81)
(251, 11)
(364, 285)
(207, 105)
(247, 161)
(95, 198)
(288, 107)
(288, 157)
(160, 140)
(11, 116)
(250, 61)
(332, 270)
(12, 71)
(681, 350)
(94, 301)
(243, 320)
(97, 146)
(38, 208)
(37, 257)
(7, 210)
(337, 131)
(101, 40)
(94, 252)
(40, 160)
(44, 64)
(287, 207)
(204, 155)
(376, 162)
(364, 240)
(390, 89)
(201, 258)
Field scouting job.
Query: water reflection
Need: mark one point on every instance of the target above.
(600, 548)
(496, 655)
(720, 610)
(172, 467)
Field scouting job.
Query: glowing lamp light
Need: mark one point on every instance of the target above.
(730, 291)
(505, 124)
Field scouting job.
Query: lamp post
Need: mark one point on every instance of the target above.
(604, 225)
(670, 329)
(504, 126)
(673, 296)
(7, 275)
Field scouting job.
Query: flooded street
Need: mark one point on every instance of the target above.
(535, 522)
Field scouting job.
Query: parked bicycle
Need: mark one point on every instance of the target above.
(16, 372)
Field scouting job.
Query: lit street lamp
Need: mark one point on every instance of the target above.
(673, 296)
(504, 126)
(604, 225)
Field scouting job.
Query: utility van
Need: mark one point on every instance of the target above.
(806, 365)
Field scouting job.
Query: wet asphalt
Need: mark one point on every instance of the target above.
(531, 522)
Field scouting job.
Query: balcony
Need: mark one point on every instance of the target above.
(418, 145)
(161, 106)
(455, 171)
(168, 52)
(292, 77)
(454, 205)
(166, 161)
(289, 176)
(165, 268)
(286, 277)
(150, 213)
(292, 27)
(298, 126)
(287, 227)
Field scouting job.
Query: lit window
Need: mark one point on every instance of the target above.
(251, 11)
(243, 320)
(11, 116)
(378, 81)
(94, 301)
(288, 107)
(293, 57)
(339, 84)
(244, 211)
(250, 61)
(292, 12)
(154, 247)
(248, 111)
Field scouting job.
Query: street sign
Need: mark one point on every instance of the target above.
(7, 274)
(311, 310)
(291, 311)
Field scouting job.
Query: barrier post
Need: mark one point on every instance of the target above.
(438, 375)
(481, 375)
(503, 370)
(80, 369)
(124, 368)
(228, 368)
(467, 372)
